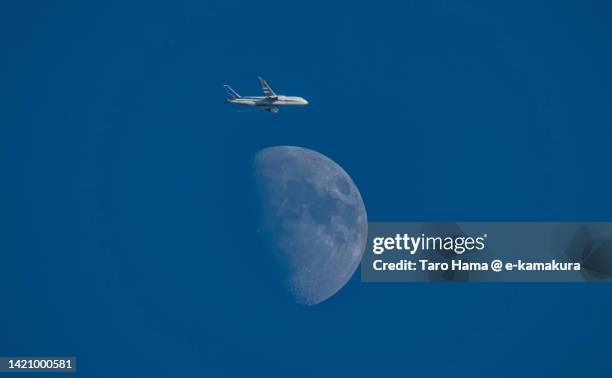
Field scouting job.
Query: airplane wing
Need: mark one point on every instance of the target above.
(266, 88)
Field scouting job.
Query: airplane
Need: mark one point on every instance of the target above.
(270, 101)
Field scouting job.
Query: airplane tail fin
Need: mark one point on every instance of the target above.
(231, 94)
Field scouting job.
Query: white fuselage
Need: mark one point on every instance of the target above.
(267, 102)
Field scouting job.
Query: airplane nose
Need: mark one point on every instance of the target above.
(305, 102)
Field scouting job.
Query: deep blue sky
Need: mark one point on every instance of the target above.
(126, 232)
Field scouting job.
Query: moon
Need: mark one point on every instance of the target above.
(312, 220)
